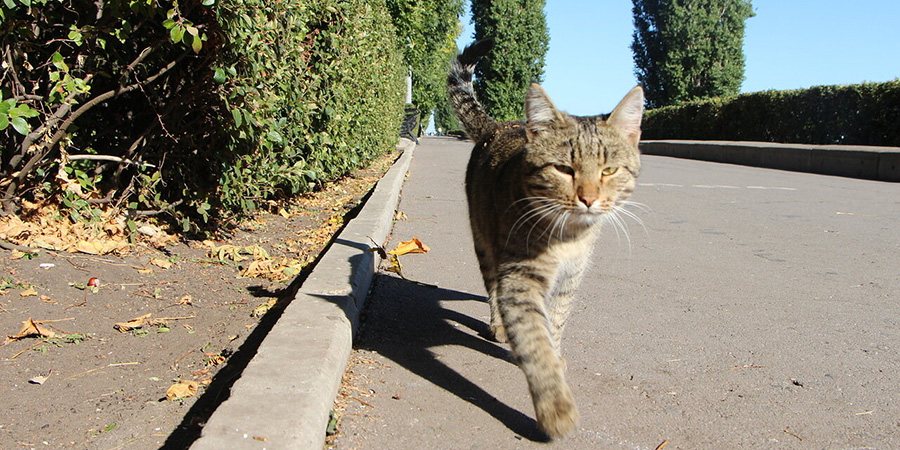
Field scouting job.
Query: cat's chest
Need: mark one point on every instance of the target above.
(571, 256)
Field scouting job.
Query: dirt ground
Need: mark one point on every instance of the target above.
(116, 365)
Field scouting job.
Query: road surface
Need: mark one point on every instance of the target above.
(754, 308)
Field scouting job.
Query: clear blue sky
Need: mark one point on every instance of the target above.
(789, 44)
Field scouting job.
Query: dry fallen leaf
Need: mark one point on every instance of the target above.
(31, 328)
(41, 379)
(182, 389)
(137, 322)
(396, 267)
(94, 247)
(271, 269)
(214, 359)
(263, 308)
(30, 292)
(160, 263)
(411, 246)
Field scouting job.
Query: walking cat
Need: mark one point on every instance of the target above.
(538, 191)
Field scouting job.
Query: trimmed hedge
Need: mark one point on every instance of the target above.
(317, 90)
(860, 114)
(200, 109)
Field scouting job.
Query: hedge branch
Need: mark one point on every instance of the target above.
(61, 132)
(107, 158)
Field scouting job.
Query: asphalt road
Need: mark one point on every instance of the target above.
(754, 308)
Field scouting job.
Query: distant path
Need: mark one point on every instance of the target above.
(759, 309)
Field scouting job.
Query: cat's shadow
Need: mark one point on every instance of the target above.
(404, 320)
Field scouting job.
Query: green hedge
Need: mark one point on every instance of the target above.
(200, 109)
(861, 114)
(318, 90)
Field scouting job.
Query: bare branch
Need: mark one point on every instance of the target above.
(107, 158)
(62, 130)
(155, 212)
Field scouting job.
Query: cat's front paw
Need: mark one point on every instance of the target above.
(498, 332)
(557, 416)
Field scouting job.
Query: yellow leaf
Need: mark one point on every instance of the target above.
(31, 328)
(411, 246)
(395, 267)
(160, 263)
(182, 389)
(91, 248)
(30, 292)
(137, 322)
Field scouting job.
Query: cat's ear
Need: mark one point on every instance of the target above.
(627, 115)
(540, 114)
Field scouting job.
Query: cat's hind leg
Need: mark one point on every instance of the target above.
(488, 267)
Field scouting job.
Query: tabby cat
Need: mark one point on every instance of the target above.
(538, 191)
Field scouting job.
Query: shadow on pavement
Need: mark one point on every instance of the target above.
(404, 320)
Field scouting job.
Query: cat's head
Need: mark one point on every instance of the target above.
(588, 165)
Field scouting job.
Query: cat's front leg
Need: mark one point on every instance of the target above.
(521, 289)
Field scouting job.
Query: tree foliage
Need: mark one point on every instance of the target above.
(445, 117)
(689, 49)
(519, 29)
(194, 108)
(427, 32)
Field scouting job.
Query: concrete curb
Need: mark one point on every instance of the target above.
(871, 163)
(283, 397)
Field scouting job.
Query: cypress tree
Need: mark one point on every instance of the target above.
(519, 29)
(689, 49)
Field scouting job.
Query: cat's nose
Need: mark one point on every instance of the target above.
(588, 200)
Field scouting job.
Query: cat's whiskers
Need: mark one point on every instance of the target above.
(552, 211)
(637, 205)
(544, 206)
(616, 217)
(559, 220)
(631, 215)
(618, 224)
(562, 223)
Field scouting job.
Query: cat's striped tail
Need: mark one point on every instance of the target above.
(471, 114)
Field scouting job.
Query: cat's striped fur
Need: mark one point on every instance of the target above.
(538, 190)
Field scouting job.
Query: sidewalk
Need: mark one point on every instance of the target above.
(283, 397)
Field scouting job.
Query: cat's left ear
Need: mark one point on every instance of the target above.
(540, 114)
(627, 115)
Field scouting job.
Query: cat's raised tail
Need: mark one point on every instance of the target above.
(471, 114)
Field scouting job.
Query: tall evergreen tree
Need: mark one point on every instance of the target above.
(427, 30)
(519, 29)
(689, 49)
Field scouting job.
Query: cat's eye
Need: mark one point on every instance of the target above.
(565, 169)
(609, 171)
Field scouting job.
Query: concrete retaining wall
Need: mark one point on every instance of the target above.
(872, 163)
